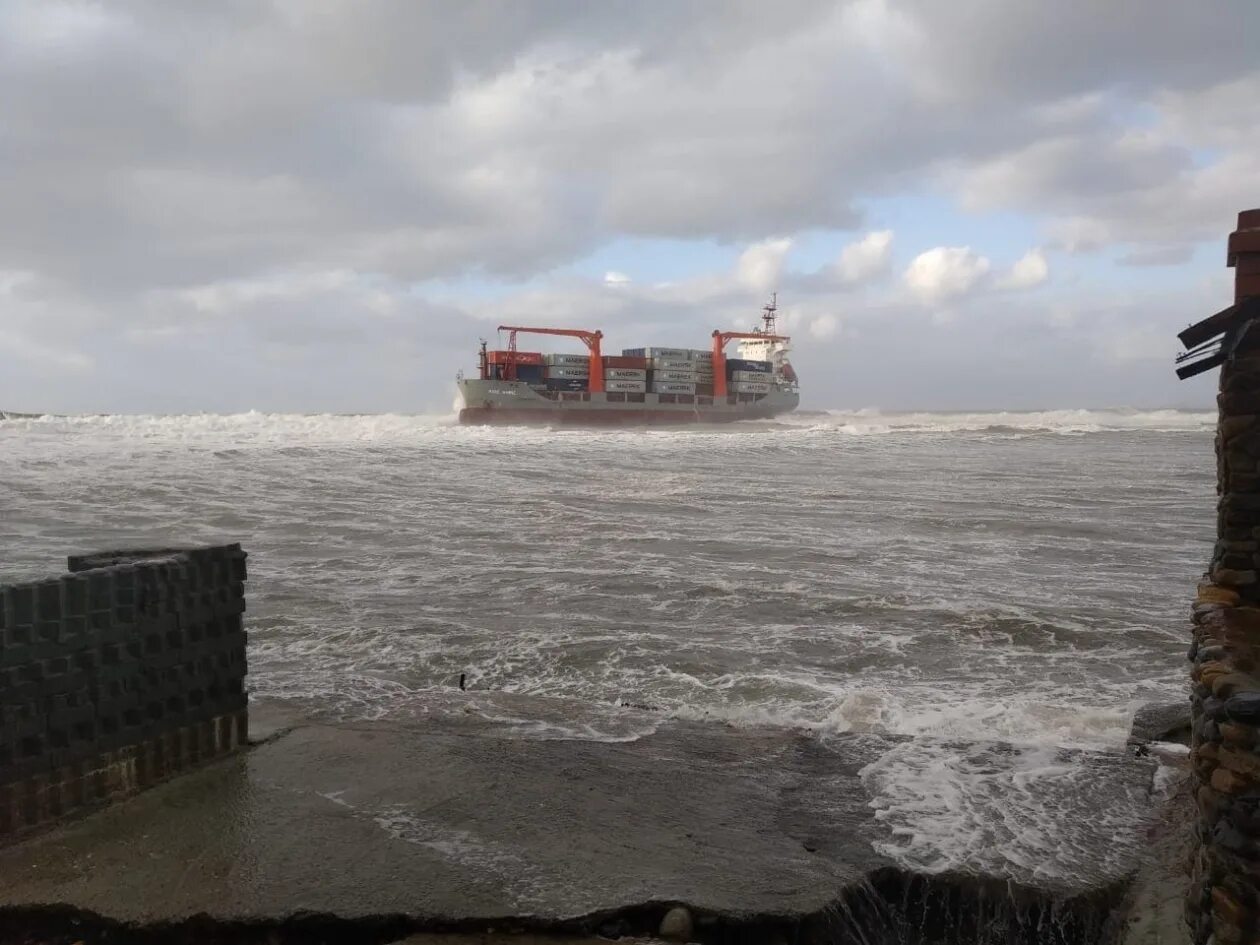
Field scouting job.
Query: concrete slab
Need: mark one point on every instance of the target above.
(454, 820)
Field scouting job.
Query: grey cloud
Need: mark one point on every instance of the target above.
(177, 145)
(1158, 256)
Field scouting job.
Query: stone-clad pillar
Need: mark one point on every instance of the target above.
(1223, 904)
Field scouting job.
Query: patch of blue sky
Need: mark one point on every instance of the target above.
(923, 221)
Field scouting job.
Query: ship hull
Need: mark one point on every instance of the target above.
(506, 403)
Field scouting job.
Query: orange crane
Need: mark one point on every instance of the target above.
(591, 339)
(720, 338)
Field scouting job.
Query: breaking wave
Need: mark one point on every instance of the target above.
(254, 427)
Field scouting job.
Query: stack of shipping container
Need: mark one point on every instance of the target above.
(571, 372)
(688, 371)
(637, 370)
(747, 377)
(626, 374)
(529, 366)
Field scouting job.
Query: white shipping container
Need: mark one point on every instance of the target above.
(568, 359)
(626, 387)
(561, 371)
(698, 355)
(625, 374)
(681, 354)
(754, 377)
(681, 377)
(673, 387)
(750, 387)
(671, 364)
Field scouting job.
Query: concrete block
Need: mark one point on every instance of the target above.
(123, 672)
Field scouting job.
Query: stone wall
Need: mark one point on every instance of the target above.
(117, 675)
(1223, 905)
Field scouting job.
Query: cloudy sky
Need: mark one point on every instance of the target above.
(314, 205)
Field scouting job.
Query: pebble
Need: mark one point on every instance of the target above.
(676, 926)
(1244, 707)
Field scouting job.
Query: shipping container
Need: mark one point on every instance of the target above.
(564, 371)
(742, 364)
(673, 387)
(524, 372)
(671, 364)
(704, 389)
(634, 364)
(750, 387)
(754, 376)
(568, 360)
(522, 357)
(698, 355)
(633, 352)
(625, 374)
(681, 377)
(566, 383)
(625, 387)
(681, 354)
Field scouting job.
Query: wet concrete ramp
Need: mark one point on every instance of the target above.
(448, 823)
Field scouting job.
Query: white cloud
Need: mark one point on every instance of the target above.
(823, 327)
(614, 278)
(1029, 270)
(865, 259)
(760, 266)
(945, 272)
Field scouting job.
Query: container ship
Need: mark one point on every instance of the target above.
(639, 386)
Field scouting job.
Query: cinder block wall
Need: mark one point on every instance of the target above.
(117, 675)
(1223, 904)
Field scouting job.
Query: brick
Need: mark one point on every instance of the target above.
(1227, 781)
(1237, 735)
(1228, 684)
(74, 596)
(100, 591)
(1226, 907)
(1244, 763)
(14, 655)
(48, 600)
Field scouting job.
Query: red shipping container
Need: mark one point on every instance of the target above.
(621, 361)
(522, 357)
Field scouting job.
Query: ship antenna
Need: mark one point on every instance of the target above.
(768, 313)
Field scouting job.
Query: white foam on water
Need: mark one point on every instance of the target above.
(1033, 812)
(256, 427)
(1018, 720)
(871, 422)
(251, 428)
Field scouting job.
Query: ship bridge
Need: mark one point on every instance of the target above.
(773, 348)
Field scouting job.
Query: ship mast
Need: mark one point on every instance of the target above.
(769, 312)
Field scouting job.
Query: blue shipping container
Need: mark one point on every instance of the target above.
(742, 364)
(566, 383)
(529, 372)
(633, 352)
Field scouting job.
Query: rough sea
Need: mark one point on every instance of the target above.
(1021, 577)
